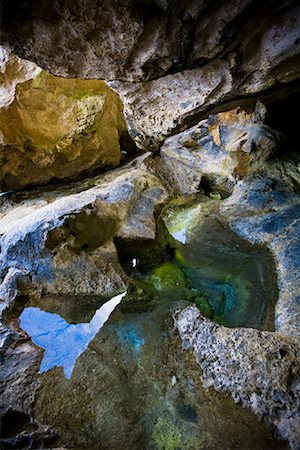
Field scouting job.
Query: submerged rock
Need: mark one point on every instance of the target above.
(53, 128)
(259, 369)
(135, 356)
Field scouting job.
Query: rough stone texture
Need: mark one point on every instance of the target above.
(165, 36)
(231, 50)
(13, 71)
(18, 378)
(156, 109)
(55, 128)
(265, 212)
(61, 241)
(224, 148)
(260, 369)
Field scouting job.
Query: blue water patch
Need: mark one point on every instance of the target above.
(63, 342)
(226, 292)
(129, 335)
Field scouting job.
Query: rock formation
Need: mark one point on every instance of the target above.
(52, 128)
(185, 58)
(208, 90)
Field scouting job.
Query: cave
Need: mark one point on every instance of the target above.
(149, 224)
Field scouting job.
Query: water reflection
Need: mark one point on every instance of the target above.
(63, 342)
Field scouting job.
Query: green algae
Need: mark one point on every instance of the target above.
(166, 435)
(231, 281)
(168, 276)
(202, 302)
(215, 196)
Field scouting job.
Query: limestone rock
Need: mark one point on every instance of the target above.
(145, 40)
(18, 380)
(224, 148)
(259, 369)
(54, 128)
(61, 242)
(183, 57)
(13, 70)
(264, 213)
(156, 109)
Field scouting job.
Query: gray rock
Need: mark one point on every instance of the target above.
(264, 213)
(63, 239)
(224, 148)
(183, 57)
(18, 378)
(158, 108)
(259, 369)
(145, 40)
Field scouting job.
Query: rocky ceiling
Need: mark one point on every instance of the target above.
(173, 62)
(137, 40)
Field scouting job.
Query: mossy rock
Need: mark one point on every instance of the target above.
(215, 195)
(168, 276)
(179, 257)
(201, 301)
(166, 435)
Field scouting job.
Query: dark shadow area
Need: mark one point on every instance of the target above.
(283, 115)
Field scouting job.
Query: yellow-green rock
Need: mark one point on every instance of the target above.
(58, 128)
(168, 276)
(166, 435)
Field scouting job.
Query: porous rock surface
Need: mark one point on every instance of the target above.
(53, 128)
(173, 63)
(259, 369)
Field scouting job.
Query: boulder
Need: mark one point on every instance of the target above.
(53, 128)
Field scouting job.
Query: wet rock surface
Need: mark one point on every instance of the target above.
(267, 212)
(233, 282)
(135, 387)
(57, 257)
(161, 369)
(57, 235)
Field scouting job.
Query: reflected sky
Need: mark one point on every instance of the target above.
(63, 342)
